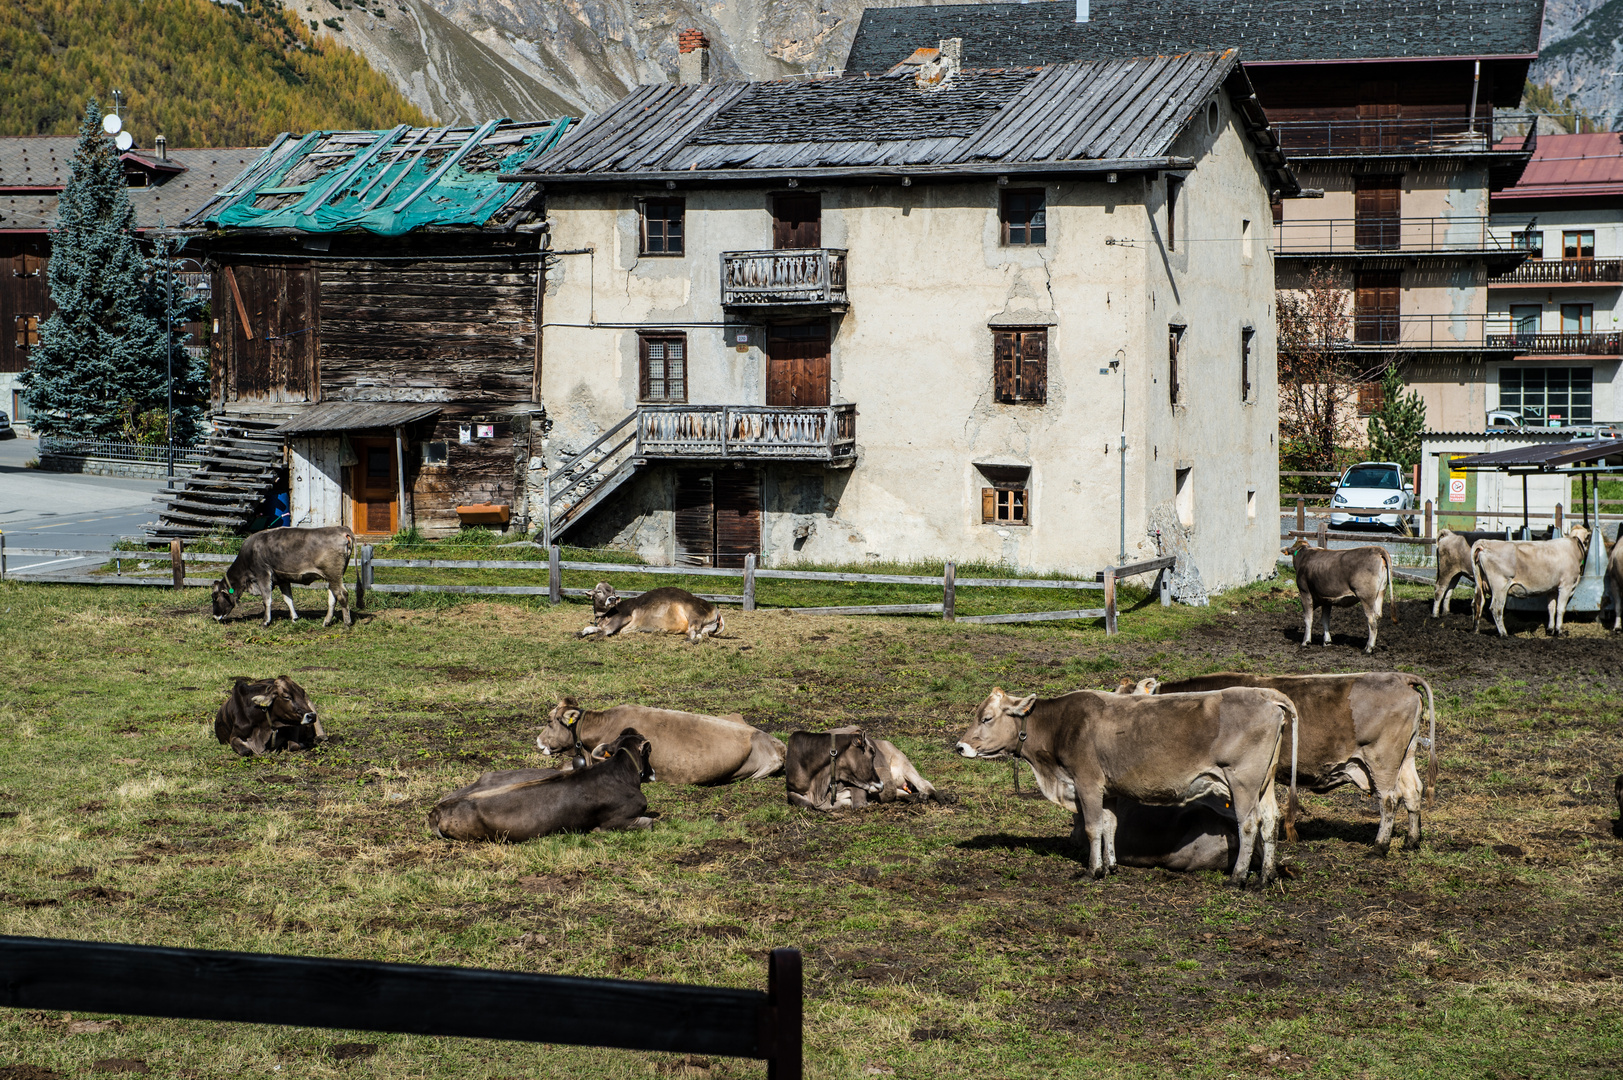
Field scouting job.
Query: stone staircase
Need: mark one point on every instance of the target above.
(240, 467)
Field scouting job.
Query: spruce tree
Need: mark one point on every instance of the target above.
(1395, 428)
(102, 351)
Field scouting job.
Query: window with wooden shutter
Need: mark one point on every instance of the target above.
(1025, 217)
(1246, 334)
(1174, 347)
(664, 368)
(27, 331)
(662, 226)
(1375, 306)
(1020, 366)
(1371, 396)
(1174, 189)
(797, 222)
(1007, 499)
(1378, 212)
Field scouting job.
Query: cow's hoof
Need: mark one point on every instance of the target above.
(1383, 850)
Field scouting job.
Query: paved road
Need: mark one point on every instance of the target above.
(60, 510)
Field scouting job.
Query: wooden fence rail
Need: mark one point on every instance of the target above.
(362, 995)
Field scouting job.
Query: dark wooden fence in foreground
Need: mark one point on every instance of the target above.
(361, 995)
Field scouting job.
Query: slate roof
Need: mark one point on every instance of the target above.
(1568, 166)
(1087, 117)
(39, 165)
(1022, 35)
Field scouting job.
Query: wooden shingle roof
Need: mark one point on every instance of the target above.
(1096, 116)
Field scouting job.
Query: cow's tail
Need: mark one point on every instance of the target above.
(1391, 582)
(1431, 738)
(1477, 590)
(1291, 807)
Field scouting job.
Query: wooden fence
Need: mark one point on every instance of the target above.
(361, 995)
(948, 582)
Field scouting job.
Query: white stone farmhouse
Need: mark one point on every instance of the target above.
(909, 316)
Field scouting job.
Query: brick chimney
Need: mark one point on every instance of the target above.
(939, 69)
(693, 57)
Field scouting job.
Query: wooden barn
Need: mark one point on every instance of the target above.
(374, 348)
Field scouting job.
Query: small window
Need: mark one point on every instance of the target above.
(1007, 499)
(664, 364)
(1183, 496)
(1174, 347)
(1524, 322)
(1371, 396)
(1246, 334)
(135, 179)
(1577, 319)
(1214, 116)
(1020, 366)
(1245, 239)
(437, 452)
(1251, 505)
(1578, 245)
(1174, 189)
(662, 226)
(1531, 241)
(1025, 218)
(27, 331)
(27, 266)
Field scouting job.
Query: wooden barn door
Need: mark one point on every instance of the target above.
(270, 332)
(1378, 212)
(1375, 306)
(695, 524)
(718, 516)
(797, 221)
(797, 365)
(374, 488)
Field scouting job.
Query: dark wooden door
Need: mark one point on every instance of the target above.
(1378, 212)
(1375, 306)
(797, 364)
(738, 515)
(269, 332)
(1378, 107)
(374, 488)
(797, 221)
(695, 524)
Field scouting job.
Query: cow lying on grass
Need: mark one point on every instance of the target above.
(520, 804)
(276, 558)
(267, 715)
(1506, 568)
(1327, 579)
(689, 748)
(823, 772)
(660, 611)
(1089, 749)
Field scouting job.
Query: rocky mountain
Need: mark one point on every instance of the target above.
(1580, 55)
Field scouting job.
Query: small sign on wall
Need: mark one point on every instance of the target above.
(465, 433)
(487, 431)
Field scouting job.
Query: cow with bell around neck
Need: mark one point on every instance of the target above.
(823, 771)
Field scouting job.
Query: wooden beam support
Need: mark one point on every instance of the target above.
(242, 310)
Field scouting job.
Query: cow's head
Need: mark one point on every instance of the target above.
(1148, 685)
(855, 763)
(996, 728)
(226, 596)
(558, 734)
(603, 598)
(281, 701)
(1580, 534)
(632, 741)
(1300, 545)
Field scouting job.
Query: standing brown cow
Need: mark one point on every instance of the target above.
(1506, 568)
(1614, 582)
(276, 558)
(1342, 578)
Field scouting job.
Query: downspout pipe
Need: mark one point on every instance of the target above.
(1476, 81)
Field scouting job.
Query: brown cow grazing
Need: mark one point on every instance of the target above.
(1088, 749)
(660, 611)
(823, 772)
(1359, 729)
(1506, 568)
(512, 806)
(1329, 579)
(276, 558)
(267, 715)
(689, 748)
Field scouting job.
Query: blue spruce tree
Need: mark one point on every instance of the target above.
(101, 354)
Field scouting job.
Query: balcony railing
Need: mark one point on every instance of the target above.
(1558, 344)
(1410, 235)
(1394, 135)
(1394, 332)
(1562, 272)
(759, 432)
(795, 277)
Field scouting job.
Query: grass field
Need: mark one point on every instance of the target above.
(957, 940)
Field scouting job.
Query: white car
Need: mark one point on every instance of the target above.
(1367, 489)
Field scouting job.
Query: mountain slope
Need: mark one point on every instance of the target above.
(197, 73)
(1581, 60)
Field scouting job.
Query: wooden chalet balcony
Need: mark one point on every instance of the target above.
(793, 277)
(1558, 344)
(1397, 135)
(1601, 272)
(1314, 237)
(1394, 332)
(815, 433)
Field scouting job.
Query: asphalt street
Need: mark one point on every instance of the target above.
(61, 510)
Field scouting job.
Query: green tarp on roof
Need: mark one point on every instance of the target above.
(384, 182)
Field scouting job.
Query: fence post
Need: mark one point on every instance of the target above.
(1301, 514)
(749, 582)
(783, 997)
(1324, 533)
(1110, 600)
(363, 580)
(1558, 521)
(1428, 520)
(1163, 582)
(555, 577)
(177, 565)
(949, 591)
(2, 556)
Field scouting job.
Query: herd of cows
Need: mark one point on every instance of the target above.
(1179, 775)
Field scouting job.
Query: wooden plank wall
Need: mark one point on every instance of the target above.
(1436, 89)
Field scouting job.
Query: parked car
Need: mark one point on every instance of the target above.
(1499, 419)
(6, 430)
(1366, 489)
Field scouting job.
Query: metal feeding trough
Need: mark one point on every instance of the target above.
(1588, 460)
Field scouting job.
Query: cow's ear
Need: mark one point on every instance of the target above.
(264, 701)
(1023, 706)
(572, 717)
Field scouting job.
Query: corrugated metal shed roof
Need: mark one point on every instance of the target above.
(1544, 458)
(384, 182)
(1103, 111)
(1015, 35)
(1565, 166)
(356, 415)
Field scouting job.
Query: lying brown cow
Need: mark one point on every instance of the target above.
(688, 748)
(1357, 729)
(822, 772)
(520, 804)
(276, 558)
(267, 715)
(1342, 578)
(1506, 568)
(1087, 749)
(660, 611)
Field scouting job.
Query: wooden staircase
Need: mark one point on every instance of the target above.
(241, 466)
(591, 476)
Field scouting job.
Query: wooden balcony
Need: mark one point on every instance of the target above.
(818, 433)
(1390, 331)
(1526, 344)
(1605, 273)
(1350, 136)
(791, 278)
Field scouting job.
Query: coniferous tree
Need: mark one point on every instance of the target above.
(1395, 428)
(102, 351)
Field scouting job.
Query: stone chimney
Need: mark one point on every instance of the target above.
(939, 69)
(161, 145)
(693, 57)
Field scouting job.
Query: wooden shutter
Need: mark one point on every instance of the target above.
(1034, 366)
(1375, 305)
(1370, 398)
(1378, 212)
(738, 515)
(695, 518)
(1174, 343)
(988, 504)
(1245, 364)
(1005, 351)
(797, 221)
